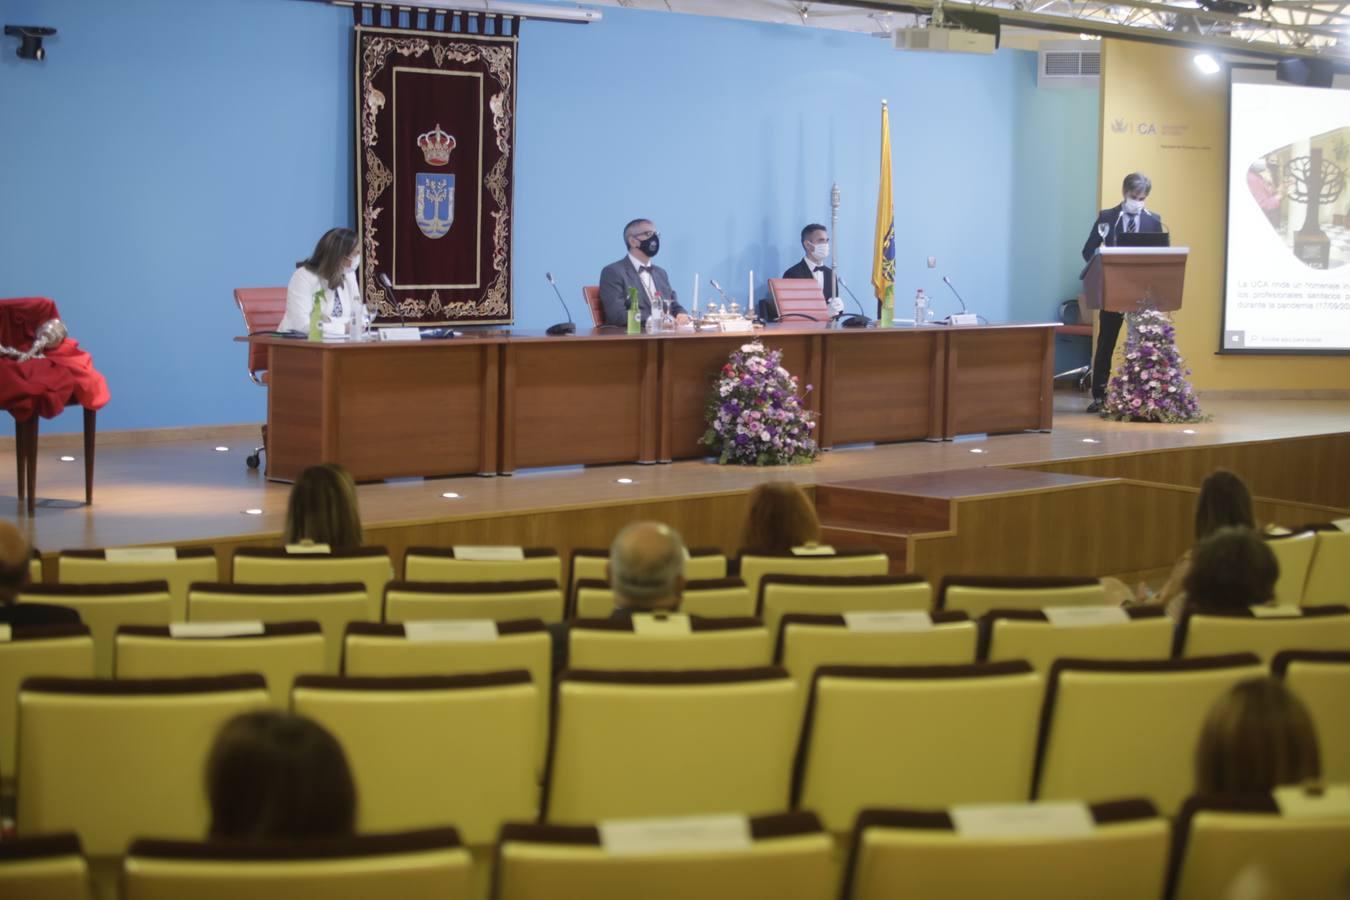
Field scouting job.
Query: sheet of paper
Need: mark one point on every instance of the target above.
(1333, 802)
(689, 834)
(1023, 820)
(661, 624)
(814, 550)
(400, 334)
(140, 554)
(489, 554)
(1082, 616)
(737, 326)
(898, 620)
(214, 629)
(460, 630)
(308, 548)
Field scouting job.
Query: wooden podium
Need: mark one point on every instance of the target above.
(1130, 279)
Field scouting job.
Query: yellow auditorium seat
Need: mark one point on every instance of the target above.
(432, 649)
(35, 567)
(277, 651)
(772, 857)
(1322, 681)
(713, 598)
(111, 760)
(1138, 632)
(482, 564)
(105, 608)
(44, 867)
(643, 744)
(978, 594)
(421, 865)
(430, 750)
(863, 561)
(667, 641)
(1329, 572)
(780, 595)
(179, 567)
(1280, 845)
(1294, 553)
(1214, 633)
(917, 737)
(332, 606)
(591, 564)
(1129, 728)
(33, 651)
(1106, 851)
(500, 601)
(288, 565)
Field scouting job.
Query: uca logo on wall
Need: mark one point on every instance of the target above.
(434, 203)
(1120, 126)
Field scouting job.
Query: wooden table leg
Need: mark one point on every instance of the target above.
(90, 423)
(30, 440)
(20, 466)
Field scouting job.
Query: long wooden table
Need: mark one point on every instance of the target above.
(494, 401)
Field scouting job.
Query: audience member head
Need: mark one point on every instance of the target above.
(642, 239)
(1224, 500)
(1256, 737)
(816, 243)
(781, 517)
(14, 558)
(646, 567)
(323, 509)
(275, 776)
(334, 255)
(1231, 569)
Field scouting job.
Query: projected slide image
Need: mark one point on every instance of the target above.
(1301, 190)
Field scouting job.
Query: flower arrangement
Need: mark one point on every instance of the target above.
(755, 417)
(1151, 385)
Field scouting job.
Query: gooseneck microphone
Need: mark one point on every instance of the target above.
(948, 282)
(859, 321)
(717, 287)
(568, 327)
(389, 286)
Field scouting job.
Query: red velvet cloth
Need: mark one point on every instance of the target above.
(65, 374)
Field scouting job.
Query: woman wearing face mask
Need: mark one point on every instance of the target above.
(1129, 217)
(330, 269)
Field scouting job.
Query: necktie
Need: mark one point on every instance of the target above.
(1133, 225)
(647, 270)
(337, 304)
(818, 269)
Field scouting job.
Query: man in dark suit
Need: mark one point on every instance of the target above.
(637, 271)
(14, 558)
(1127, 217)
(815, 249)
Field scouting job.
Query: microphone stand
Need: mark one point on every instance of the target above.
(834, 245)
(562, 328)
(859, 321)
(389, 286)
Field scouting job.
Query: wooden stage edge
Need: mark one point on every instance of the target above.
(1101, 497)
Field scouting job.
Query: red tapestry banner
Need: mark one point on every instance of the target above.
(436, 123)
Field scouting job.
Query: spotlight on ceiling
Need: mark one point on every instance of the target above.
(1207, 64)
(30, 40)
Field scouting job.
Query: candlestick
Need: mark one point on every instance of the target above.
(750, 293)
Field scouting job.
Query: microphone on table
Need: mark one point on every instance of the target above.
(859, 321)
(389, 286)
(964, 310)
(717, 287)
(568, 327)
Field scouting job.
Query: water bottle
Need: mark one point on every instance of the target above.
(633, 325)
(920, 308)
(316, 317)
(654, 317)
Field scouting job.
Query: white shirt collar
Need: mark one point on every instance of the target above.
(637, 266)
(811, 266)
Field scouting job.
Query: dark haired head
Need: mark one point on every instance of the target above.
(632, 228)
(1257, 737)
(780, 517)
(1231, 569)
(810, 230)
(275, 776)
(1224, 501)
(322, 508)
(1136, 183)
(329, 259)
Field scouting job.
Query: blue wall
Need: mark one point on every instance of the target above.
(166, 153)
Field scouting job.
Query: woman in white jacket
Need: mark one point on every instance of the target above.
(330, 272)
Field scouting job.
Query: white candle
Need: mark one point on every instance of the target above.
(695, 293)
(750, 293)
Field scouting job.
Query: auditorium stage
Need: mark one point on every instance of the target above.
(187, 492)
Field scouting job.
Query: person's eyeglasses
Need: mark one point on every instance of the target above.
(647, 234)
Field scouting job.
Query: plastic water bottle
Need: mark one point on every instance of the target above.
(633, 326)
(316, 317)
(920, 308)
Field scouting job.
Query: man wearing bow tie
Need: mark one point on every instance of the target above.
(1127, 217)
(816, 249)
(636, 270)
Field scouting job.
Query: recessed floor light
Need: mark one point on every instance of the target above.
(1091, 441)
(253, 512)
(623, 481)
(976, 450)
(450, 495)
(67, 459)
(222, 449)
(1188, 431)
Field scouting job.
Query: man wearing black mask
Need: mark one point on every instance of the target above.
(636, 271)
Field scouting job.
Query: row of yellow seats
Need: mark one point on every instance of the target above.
(1118, 850)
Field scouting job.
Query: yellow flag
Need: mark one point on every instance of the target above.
(883, 258)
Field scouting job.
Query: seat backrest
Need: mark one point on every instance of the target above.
(332, 606)
(764, 858)
(1329, 572)
(715, 598)
(110, 760)
(668, 641)
(1129, 728)
(105, 608)
(753, 566)
(781, 595)
(641, 744)
(916, 736)
(33, 651)
(263, 309)
(278, 565)
(1118, 851)
(1322, 681)
(46, 867)
(1294, 553)
(428, 750)
(591, 564)
(425, 865)
(1136, 632)
(591, 294)
(178, 567)
(387, 650)
(278, 651)
(799, 296)
(1254, 630)
(468, 564)
(499, 601)
(978, 594)
(1229, 841)
(35, 567)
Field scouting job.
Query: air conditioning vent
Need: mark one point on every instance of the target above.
(1069, 64)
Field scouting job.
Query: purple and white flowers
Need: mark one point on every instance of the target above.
(1151, 385)
(755, 417)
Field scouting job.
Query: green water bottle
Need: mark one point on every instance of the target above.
(888, 307)
(634, 323)
(316, 317)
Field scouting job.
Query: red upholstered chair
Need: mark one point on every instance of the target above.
(799, 298)
(43, 387)
(263, 310)
(592, 294)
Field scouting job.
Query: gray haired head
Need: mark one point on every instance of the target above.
(646, 566)
(1136, 182)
